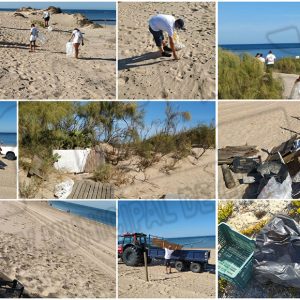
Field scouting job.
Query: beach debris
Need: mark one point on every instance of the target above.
(37, 168)
(245, 164)
(277, 253)
(11, 289)
(227, 154)
(3, 165)
(71, 161)
(86, 189)
(63, 189)
(96, 159)
(69, 49)
(227, 176)
(177, 43)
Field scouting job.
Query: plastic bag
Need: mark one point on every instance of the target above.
(42, 38)
(50, 28)
(277, 254)
(178, 45)
(277, 190)
(63, 189)
(69, 49)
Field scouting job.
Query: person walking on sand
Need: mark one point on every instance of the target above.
(33, 37)
(270, 59)
(46, 17)
(77, 39)
(168, 254)
(160, 23)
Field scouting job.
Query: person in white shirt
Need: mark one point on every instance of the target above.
(77, 39)
(160, 23)
(46, 17)
(168, 254)
(261, 58)
(270, 59)
(33, 37)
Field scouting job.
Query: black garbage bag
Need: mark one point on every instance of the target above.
(277, 253)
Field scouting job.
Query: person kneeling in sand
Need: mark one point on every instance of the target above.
(33, 37)
(77, 39)
(160, 23)
(168, 253)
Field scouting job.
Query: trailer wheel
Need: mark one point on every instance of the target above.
(132, 257)
(196, 267)
(10, 156)
(180, 266)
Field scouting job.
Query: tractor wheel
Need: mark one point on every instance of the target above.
(10, 156)
(180, 266)
(132, 257)
(196, 267)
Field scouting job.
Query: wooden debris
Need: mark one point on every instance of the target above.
(227, 176)
(95, 159)
(227, 154)
(36, 168)
(85, 189)
(165, 244)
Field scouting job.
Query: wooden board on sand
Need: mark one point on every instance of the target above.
(227, 154)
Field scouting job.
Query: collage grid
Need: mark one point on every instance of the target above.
(151, 187)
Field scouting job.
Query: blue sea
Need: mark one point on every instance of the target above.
(195, 241)
(8, 139)
(280, 50)
(89, 14)
(104, 216)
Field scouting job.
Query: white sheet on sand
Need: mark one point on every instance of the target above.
(71, 161)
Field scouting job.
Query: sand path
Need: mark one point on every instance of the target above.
(288, 82)
(48, 73)
(8, 180)
(78, 255)
(265, 124)
(144, 75)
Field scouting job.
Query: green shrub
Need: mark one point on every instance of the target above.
(103, 173)
(252, 229)
(225, 211)
(245, 78)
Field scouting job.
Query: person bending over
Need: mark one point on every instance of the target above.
(77, 39)
(160, 23)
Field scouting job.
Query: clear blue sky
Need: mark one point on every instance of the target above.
(259, 22)
(62, 5)
(8, 116)
(108, 205)
(201, 112)
(167, 218)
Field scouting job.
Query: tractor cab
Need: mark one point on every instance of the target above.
(131, 247)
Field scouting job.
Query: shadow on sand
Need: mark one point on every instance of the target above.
(96, 58)
(13, 45)
(133, 62)
(19, 29)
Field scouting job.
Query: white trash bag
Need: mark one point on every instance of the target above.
(69, 49)
(63, 189)
(178, 45)
(50, 28)
(277, 190)
(42, 39)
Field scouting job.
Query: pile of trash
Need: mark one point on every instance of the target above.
(278, 177)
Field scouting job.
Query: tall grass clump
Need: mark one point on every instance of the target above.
(288, 65)
(246, 78)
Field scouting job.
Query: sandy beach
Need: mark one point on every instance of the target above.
(48, 73)
(190, 179)
(262, 124)
(132, 282)
(143, 74)
(55, 254)
(8, 180)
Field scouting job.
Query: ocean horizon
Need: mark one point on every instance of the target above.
(103, 216)
(8, 138)
(88, 13)
(280, 50)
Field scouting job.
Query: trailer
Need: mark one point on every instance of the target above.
(194, 260)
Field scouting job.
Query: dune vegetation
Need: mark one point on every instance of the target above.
(246, 78)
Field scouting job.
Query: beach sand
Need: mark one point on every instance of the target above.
(288, 81)
(55, 254)
(262, 124)
(132, 283)
(191, 179)
(48, 73)
(8, 180)
(144, 75)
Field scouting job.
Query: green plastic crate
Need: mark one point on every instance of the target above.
(235, 256)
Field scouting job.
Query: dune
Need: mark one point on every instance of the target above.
(144, 75)
(55, 254)
(48, 73)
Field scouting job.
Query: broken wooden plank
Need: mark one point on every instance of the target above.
(36, 168)
(85, 189)
(227, 154)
